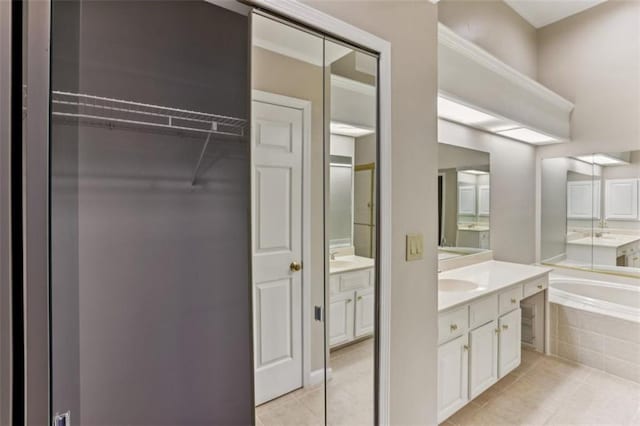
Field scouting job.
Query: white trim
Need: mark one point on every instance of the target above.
(307, 312)
(333, 26)
(449, 38)
(443, 175)
(318, 376)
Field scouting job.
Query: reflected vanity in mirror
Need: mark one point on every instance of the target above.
(464, 194)
(590, 212)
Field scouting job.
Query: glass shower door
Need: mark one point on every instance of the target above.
(150, 270)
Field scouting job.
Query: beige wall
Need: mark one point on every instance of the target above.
(495, 27)
(593, 59)
(286, 76)
(411, 29)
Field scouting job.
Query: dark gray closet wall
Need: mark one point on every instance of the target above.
(150, 275)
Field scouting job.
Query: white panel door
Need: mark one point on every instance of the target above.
(453, 392)
(341, 317)
(467, 200)
(483, 358)
(484, 200)
(365, 312)
(276, 152)
(621, 199)
(509, 342)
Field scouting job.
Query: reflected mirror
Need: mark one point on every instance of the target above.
(590, 212)
(464, 201)
(351, 310)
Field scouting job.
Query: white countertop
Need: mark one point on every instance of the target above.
(491, 276)
(607, 240)
(350, 263)
(474, 228)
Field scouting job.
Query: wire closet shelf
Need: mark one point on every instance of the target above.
(111, 111)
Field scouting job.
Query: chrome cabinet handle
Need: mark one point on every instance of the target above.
(454, 327)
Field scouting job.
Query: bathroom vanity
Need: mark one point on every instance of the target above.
(351, 299)
(479, 327)
(606, 249)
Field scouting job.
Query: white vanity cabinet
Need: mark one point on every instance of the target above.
(351, 305)
(453, 376)
(480, 342)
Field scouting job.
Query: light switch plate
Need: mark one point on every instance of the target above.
(415, 247)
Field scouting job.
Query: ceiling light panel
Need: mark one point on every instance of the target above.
(460, 113)
(601, 160)
(349, 130)
(527, 135)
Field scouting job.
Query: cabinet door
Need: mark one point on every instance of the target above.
(467, 200)
(483, 358)
(484, 200)
(341, 318)
(621, 199)
(583, 200)
(509, 342)
(453, 391)
(365, 310)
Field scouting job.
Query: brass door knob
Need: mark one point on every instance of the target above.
(295, 266)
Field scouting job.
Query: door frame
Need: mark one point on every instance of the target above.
(332, 26)
(305, 106)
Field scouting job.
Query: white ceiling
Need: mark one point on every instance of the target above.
(544, 12)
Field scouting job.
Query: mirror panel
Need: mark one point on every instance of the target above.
(590, 213)
(464, 201)
(351, 223)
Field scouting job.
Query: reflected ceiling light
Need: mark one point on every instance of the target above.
(601, 159)
(349, 130)
(455, 111)
(474, 172)
(527, 135)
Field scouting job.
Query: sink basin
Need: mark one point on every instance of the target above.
(448, 284)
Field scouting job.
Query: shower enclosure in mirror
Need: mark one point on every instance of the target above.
(464, 201)
(590, 215)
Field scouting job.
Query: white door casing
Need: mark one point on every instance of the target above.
(277, 242)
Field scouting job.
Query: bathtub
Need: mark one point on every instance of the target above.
(596, 323)
(601, 297)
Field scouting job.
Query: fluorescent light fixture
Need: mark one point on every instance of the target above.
(474, 172)
(600, 159)
(345, 129)
(527, 135)
(460, 113)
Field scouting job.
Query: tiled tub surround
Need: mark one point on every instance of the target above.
(595, 320)
(600, 341)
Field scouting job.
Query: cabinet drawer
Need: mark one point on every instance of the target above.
(510, 299)
(453, 323)
(355, 280)
(483, 311)
(533, 287)
(334, 284)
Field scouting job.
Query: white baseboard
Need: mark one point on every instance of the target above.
(317, 376)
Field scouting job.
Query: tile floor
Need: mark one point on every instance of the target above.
(551, 391)
(349, 394)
